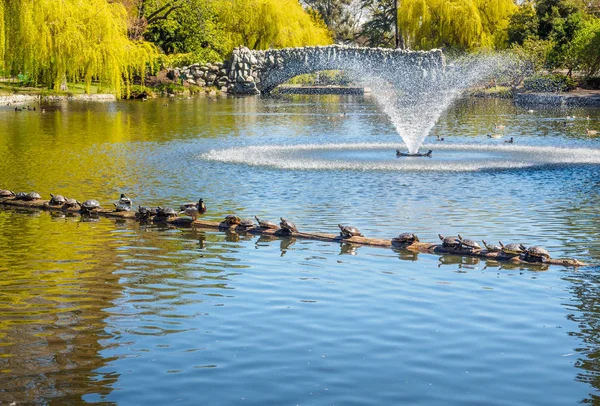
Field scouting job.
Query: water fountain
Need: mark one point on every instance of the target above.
(415, 99)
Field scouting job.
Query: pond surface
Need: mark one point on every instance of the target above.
(116, 312)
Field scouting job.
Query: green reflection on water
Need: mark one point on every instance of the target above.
(63, 279)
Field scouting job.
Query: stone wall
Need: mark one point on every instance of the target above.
(250, 72)
(573, 99)
(207, 74)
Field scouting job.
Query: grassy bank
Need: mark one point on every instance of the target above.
(152, 89)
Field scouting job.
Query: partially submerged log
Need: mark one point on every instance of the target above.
(416, 246)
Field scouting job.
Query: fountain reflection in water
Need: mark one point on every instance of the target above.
(414, 99)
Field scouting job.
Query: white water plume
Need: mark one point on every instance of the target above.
(376, 157)
(415, 99)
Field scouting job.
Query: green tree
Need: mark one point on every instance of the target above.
(262, 24)
(191, 27)
(462, 24)
(533, 55)
(336, 15)
(210, 29)
(523, 24)
(586, 47)
(379, 29)
(52, 42)
(551, 13)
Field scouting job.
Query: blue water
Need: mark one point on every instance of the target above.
(118, 312)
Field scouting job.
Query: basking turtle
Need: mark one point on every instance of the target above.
(471, 246)
(124, 200)
(535, 254)
(233, 219)
(122, 206)
(266, 224)
(491, 247)
(145, 212)
(21, 196)
(89, 206)
(246, 223)
(405, 239)
(70, 203)
(230, 221)
(165, 212)
(349, 231)
(32, 196)
(450, 243)
(511, 250)
(193, 209)
(6, 193)
(57, 200)
(287, 227)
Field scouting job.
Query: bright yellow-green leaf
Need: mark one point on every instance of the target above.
(263, 24)
(52, 41)
(465, 24)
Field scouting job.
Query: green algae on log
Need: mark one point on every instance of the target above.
(415, 246)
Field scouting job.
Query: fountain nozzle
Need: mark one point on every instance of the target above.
(417, 154)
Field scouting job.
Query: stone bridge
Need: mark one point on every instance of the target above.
(253, 72)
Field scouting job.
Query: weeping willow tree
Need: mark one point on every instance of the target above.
(52, 41)
(262, 24)
(2, 36)
(464, 24)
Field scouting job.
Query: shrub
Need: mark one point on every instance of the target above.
(550, 83)
(592, 82)
(138, 92)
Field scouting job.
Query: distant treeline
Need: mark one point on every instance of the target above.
(111, 42)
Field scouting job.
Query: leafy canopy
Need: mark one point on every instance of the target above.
(379, 29)
(209, 29)
(564, 29)
(462, 24)
(53, 41)
(263, 24)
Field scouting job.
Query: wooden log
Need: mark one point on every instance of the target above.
(423, 247)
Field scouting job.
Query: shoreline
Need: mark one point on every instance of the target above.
(315, 89)
(19, 98)
(575, 98)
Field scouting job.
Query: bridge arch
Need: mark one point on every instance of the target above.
(255, 72)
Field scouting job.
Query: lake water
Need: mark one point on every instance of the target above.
(115, 312)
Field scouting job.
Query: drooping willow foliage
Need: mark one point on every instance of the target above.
(464, 24)
(52, 41)
(262, 24)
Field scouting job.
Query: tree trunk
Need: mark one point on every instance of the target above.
(63, 85)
